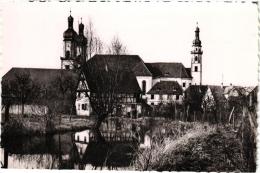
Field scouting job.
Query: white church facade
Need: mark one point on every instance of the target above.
(158, 82)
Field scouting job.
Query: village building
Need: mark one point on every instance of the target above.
(138, 85)
(171, 78)
(37, 91)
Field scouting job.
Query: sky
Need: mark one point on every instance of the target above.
(32, 34)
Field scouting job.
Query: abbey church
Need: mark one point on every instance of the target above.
(140, 84)
(155, 82)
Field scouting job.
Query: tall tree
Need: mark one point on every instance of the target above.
(116, 47)
(19, 90)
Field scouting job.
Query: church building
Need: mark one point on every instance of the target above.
(154, 83)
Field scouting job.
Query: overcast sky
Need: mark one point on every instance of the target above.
(158, 32)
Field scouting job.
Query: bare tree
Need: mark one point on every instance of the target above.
(94, 43)
(116, 47)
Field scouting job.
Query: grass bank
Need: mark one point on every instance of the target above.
(37, 125)
(202, 147)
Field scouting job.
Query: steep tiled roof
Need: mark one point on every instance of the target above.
(188, 70)
(43, 76)
(106, 71)
(174, 70)
(129, 63)
(166, 87)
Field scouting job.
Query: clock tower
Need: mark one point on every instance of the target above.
(196, 59)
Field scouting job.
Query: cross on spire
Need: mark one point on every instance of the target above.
(70, 11)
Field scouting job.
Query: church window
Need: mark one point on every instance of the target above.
(196, 58)
(152, 103)
(152, 96)
(144, 86)
(184, 84)
(196, 68)
(177, 97)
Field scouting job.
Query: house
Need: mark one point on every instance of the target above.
(165, 92)
(33, 90)
(113, 74)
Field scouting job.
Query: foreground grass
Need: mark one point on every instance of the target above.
(202, 147)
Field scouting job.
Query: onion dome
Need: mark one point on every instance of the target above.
(82, 40)
(70, 34)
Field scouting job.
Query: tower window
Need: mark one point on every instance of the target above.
(67, 55)
(196, 58)
(67, 67)
(152, 96)
(196, 68)
(144, 86)
(177, 97)
(183, 84)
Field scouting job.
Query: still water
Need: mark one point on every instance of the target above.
(77, 150)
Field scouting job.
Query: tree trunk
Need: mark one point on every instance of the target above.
(97, 125)
(7, 107)
(22, 109)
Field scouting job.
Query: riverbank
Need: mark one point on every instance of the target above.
(37, 125)
(201, 148)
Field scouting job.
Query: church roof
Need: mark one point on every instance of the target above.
(129, 63)
(104, 71)
(166, 87)
(172, 70)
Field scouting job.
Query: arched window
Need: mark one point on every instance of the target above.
(196, 58)
(144, 86)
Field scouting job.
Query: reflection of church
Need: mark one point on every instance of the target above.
(155, 83)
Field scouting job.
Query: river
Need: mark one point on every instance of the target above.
(78, 150)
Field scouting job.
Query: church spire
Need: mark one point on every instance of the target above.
(70, 21)
(197, 41)
(196, 59)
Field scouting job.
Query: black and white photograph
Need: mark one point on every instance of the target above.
(129, 85)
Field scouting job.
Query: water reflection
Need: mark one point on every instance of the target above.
(77, 150)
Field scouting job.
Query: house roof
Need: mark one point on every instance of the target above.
(166, 87)
(173, 70)
(43, 76)
(106, 73)
(129, 63)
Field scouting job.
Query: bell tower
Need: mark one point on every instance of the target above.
(69, 46)
(196, 59)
